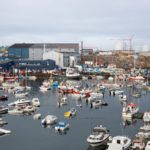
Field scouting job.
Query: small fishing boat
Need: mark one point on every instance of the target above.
(147, 147)
(129, 110)
(138, 144)
(62, 126)
(36, 102)
(3, 110)
(98, 137)
(119, 143)
(3, 97)
(71, 113)
(20, 102)
(49, 120)
(37, 116)
(4, 131)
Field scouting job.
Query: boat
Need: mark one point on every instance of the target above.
(147, 147)
(62, 101)
(98, 137)
(123, 97)
(3, 98)
(4, 131)
(16, 111)
(71, 113)
(129, 110)
(146, 117)
(138, 143)
(28, 109)
(37, 116)
(72, 73)
(36, 102)
(119, 143)
(97, 103)
(49, 120)
(20, 102)
(21, 94)
(62, 126)
(3, 110)
(3, 122)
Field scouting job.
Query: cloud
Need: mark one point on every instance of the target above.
(92, 21)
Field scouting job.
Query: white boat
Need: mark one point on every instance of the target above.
(146, 117)
(72, 73)
(28, 109)
(147, 147)
(97, 103)
(119, 143)
(123, 97)
(62, 126)
(129, 110)
(98, 137)
(37, 116)
(16, 111)
(3, 110)
(36, 102)
(3, 122)
(49, 120)
(20, 94)
(138, 144)
(62, 101)
(4, 131)
(20, 102)
(44, 88)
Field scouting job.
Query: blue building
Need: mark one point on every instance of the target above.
(35, 65)
(19, 51)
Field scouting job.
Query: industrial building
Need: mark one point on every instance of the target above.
(61, 53)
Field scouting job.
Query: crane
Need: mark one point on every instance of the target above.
(126, 39)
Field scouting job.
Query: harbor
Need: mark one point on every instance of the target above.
(27, 129)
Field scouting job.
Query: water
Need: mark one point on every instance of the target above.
(28, 134)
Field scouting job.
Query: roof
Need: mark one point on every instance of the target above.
(56, 45)
(47, 45)
(21, 45)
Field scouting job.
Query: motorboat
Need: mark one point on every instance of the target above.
(20, 94)
(129, 110)
(62, 126)
(146, 117)
(3, 122)
(62, 101)
(72, 73)
(49, 120)
(98, 137)
(16, 111)
(144, 132)
(123, 97)
(44, 88)
(20, 102)
(28, 109)
(138, 143)
(37, 116)
(119, 143)
(97, 103)
(3, 97)
(3, 110)
(71, 113)
(147, 147)
(4, 131)
(36, 102)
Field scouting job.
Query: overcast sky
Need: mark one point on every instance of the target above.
(95, 22)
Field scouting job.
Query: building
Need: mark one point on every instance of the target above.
(36, 65)
(60, 52)
(63, 59)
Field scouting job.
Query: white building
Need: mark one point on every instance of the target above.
(63, 54)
